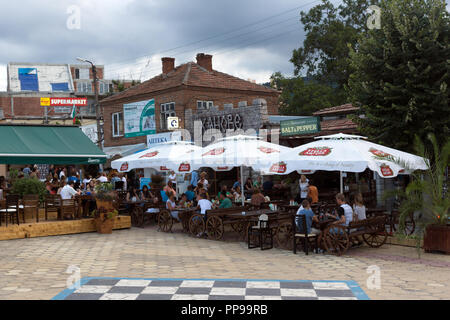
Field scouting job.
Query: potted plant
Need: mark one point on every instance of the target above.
(29, 186)
(104, 196)
(104, 219)
(426, 196)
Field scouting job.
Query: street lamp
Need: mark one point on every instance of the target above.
(97, 107)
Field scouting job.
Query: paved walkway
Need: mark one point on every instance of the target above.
(36, 268)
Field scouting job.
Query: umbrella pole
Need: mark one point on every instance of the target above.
(242, 185)
(341, 182)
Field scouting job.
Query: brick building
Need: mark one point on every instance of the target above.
(28, 82)
(193, 91)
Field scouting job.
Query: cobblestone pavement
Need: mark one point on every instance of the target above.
(36, 268)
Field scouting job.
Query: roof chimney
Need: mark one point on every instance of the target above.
(168, 64)
(205, 61)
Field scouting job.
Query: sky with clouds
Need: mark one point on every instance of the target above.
(250, 39)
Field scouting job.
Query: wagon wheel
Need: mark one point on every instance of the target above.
(214, 228)
(196, 224)
(284, 235)
(165, 221)
(376, 234)
(336, 240)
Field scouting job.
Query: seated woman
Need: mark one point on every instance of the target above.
(171, 205)
(248, 188)
(133, 195)
(91, 187)
(237, 194)
(257, 198)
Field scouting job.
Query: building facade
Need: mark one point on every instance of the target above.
(192, 92)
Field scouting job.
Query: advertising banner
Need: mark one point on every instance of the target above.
(300, 126)
(139, 118)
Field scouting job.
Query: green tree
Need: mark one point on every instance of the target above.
(401, 74)
(299, 97)
(330, 33)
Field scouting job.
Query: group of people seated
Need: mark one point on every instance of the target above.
(344, 214)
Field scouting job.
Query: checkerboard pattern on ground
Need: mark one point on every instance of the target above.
(211, 289)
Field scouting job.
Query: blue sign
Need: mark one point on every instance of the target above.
(145, 182)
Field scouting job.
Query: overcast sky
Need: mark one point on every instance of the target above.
(250, 39)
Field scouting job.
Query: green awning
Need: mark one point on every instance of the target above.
(38, 144)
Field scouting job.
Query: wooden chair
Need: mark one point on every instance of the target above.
(11, 209)
(53, 203)
(120, 203)
(303, 235)
(68, 207)
(262, 231)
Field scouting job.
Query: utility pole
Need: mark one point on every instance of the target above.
(97, 106)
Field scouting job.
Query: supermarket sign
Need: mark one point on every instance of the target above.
(63, 102)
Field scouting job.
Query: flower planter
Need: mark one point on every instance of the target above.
(437, 238)
(104, 226)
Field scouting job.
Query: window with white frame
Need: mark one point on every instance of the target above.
(167, 110)
(204, 105)
(103, 88)
(117, 124)
(85, 87)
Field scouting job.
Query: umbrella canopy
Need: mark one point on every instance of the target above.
(237, 151)
(173, 155)
(347, 153)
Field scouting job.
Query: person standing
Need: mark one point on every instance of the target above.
(194, 179)
(124, 180)
(203, 180)
(303, 186)
(313, 193)
(173, 178)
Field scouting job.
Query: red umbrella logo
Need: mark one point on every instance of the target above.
(317, 151)
(279, 167)
(184, 167)
(386, 171)
(214, 152)
(124, 166)
(149, 155)
(268, 150)
(379, 153)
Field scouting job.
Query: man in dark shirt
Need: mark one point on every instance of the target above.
(267, 185)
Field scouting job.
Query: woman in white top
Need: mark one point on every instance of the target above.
(303, 184)
(203, 180)
(173, 179)
(358, 207)
(171, 205)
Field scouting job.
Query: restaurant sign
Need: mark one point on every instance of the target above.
(300, 126)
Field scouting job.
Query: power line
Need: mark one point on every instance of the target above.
(222, 34)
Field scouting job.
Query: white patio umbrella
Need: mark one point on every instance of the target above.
(345, 153)
(238, 151)
(173, 155)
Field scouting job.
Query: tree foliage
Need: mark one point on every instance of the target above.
(299, 97)
(330, 33)
(401, 74)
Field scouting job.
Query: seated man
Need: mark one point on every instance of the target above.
(306, 211)
(204, 204)
(225, 202)
(257, 198)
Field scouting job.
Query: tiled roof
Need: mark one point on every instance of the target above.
(190, 74)
(337, 109)
(339, 124)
